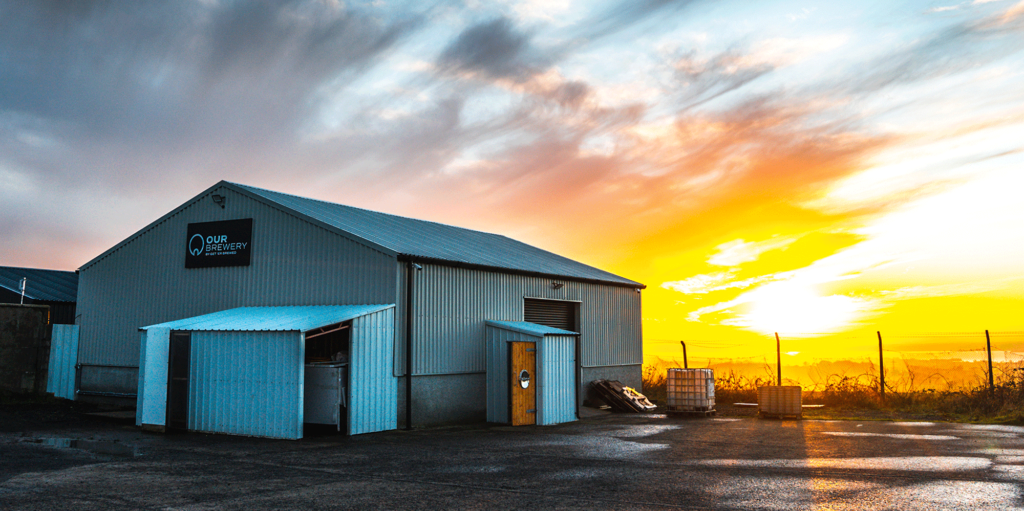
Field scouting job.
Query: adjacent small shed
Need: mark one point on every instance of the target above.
(243, 371)
(531, 373)
(56, 288)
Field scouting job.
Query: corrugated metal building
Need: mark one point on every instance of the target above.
(55, 288)
(245, 371)
(283, 250)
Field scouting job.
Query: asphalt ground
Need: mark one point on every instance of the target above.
(70, 461)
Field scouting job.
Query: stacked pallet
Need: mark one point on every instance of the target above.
(622, 398)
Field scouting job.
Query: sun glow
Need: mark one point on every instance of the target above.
(796, 309)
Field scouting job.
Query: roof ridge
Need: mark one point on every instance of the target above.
(35, 269)
(442, 224)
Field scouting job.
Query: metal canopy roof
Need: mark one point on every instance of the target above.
(272, 319)
(529, 328)
(42, 285)
(431, 240)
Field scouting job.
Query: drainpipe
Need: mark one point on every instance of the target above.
(408, 341)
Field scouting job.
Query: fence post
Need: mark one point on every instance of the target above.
(991, 378)
(881, 366)
(778, 356)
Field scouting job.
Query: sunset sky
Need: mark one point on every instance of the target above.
(823, 170)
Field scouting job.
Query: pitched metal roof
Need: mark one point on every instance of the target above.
(431, 240)
(271, 319)
(529, 328)
(42, 285)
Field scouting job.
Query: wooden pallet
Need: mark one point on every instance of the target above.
(614, 393)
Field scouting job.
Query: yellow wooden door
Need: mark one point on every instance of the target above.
(523, 381)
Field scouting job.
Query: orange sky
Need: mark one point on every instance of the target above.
(823, 171)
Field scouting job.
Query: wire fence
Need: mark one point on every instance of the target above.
(899, 362)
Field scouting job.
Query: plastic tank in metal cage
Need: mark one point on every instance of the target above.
(690, 390)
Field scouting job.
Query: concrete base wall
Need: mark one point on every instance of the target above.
(116, 380)
(630, 376)
(462, 398)
(445, 399)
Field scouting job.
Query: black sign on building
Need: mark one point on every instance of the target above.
(217, 244)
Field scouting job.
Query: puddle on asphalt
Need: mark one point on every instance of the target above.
(576, 474)
(1009, 472)
(898, 436)
(642, 431)
(473, 469)
(605, 447)
(985, 434)
(95, 446)
(909, 464)
(990, 428)
(1001, 452)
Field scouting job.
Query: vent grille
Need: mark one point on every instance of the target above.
(551, 313)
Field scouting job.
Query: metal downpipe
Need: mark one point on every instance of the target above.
(408, 342)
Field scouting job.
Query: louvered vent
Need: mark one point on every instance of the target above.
(551, 313)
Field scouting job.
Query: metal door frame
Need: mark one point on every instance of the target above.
(170, 377)
(534, 379)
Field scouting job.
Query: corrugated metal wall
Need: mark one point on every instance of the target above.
(497, 370)
(556, 374)
(373, 404)
(453, 303)
(63, 358)
(247, 383)
(294, 262)
(151, 401)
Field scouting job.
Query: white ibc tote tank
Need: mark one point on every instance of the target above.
(690, 390)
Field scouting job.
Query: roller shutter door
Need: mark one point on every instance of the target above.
(551, 313)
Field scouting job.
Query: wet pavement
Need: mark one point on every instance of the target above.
(614, 462)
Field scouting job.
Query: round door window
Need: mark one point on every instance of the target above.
(524, 378)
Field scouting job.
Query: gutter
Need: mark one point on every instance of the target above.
(526, 273)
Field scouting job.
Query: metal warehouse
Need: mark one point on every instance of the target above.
(243, 276)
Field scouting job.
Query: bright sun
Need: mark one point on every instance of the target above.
(797, 309)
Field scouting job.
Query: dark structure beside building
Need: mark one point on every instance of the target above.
(58, 289)
(24, 348)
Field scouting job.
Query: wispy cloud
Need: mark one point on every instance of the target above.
(721, 281)
(737, 252)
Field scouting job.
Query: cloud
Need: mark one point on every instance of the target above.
(495, 49)
(166, 77)
(737, 252)
(705, 78)
(721, 281)
(936, 291)
(1013, 13)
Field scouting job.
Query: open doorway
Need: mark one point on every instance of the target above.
(326, 390)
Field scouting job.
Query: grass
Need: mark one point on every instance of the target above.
(860, 397)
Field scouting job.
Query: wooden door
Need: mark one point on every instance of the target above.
(523, 382)
(178, 376)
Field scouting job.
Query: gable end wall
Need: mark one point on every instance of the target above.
(294, 262)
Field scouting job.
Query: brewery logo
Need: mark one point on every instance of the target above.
(196, 244)
(217, 244)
